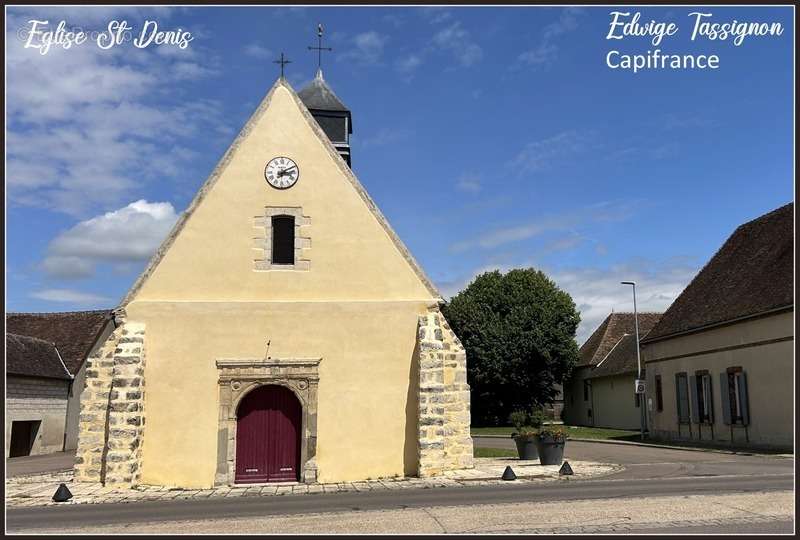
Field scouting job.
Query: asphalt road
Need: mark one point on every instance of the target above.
(21, 466)
(145, 512)
(649, 472)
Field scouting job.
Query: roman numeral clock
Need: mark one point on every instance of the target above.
(282, 172)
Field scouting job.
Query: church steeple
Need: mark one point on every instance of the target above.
(327, 109)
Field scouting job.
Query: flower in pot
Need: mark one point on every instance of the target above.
(550, 445)
(525, 434)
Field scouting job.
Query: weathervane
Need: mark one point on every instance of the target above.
(282, 62)
(319, 48)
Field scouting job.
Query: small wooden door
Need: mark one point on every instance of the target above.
(269, 420)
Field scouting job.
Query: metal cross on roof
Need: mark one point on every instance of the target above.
(319, 48)
(282, 62)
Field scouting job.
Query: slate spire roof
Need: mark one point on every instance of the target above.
(751, 274)
(610, 332)
(33, 357)
(73, 332)
(317, 95)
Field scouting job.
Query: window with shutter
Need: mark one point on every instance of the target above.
(708, 401)
(704, 404)
(736, 390)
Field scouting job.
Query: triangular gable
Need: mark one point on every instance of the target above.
(223, 163)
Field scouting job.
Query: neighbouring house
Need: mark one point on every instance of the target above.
(76, 335)
(37, 391)
(600, 391)
(720, 362)
(555, 410)
(282, 331)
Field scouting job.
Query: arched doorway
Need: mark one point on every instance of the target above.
(268, 427)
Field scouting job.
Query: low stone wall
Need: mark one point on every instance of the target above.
(444, 418)
(111, 425)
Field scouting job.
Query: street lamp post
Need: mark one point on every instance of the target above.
(638, 355)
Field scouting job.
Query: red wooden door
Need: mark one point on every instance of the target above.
(268, 436)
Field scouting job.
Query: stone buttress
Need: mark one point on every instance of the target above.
(444, 418)
(111, 424)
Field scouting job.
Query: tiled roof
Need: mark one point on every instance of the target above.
(73, 332)
(33, 357)
(610, 332)
(620, 361)
(752, 273)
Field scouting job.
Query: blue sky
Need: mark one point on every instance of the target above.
(489, 137)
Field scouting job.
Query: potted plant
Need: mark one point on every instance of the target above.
(525, 435)
(550, 445)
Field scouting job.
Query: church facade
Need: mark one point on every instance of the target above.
(282, 332)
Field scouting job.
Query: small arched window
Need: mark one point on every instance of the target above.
(283, 239)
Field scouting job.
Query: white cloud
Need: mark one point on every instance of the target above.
(455, 39)
(408, 64)
(436, 15)
(67, 267)
(385, 136)
(83, 130)
(469, 183)
(538, 155)
(546, 50)
(597, 291)
(367, 48)
(257, 51)
(94, 16)
(130, 234)
(68, 296)
(596, 213)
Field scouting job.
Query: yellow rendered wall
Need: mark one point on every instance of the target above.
(367, 409)
(356, 308)
(352, 256)
(614, 402)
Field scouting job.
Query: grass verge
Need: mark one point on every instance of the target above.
(575, 432)
(494, 452)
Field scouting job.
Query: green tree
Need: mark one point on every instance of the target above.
(518, 330)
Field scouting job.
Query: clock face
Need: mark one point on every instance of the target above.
(282, 172)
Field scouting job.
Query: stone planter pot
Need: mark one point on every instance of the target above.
(526, 447)
(551, 452)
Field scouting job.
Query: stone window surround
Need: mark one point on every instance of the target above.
(237, 377)
(264, 243)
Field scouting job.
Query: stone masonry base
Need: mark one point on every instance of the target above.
(444, 420)
(112, 418)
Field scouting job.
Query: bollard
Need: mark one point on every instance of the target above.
(62, 494)
(508, 474)
(565, 470)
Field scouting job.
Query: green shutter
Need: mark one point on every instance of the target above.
(710, 393)
(694, 412)
(725, 398)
